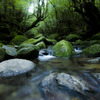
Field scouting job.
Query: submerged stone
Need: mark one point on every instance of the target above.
(15, 67)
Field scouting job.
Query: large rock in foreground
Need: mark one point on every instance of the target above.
(63, 49)
(15, 67)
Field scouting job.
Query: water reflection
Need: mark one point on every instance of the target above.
(29, 87)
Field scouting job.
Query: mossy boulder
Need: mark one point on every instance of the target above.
(92, 51)
(50, 41)
(53, 36)
(72, 37)
(78, 42)
(38, 36)
(18, 40)
(24, 45)
(63, 49)
(40, 45)
(34, 41)
(2, 54)
(96, 36)
(92, 42)
(31, 33)
(29, 52)
(86, 43)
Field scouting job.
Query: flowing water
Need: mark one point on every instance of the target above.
(29, 86)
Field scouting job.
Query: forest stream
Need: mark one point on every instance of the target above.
(76, 78)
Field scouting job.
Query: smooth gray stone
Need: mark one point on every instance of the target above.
(15, 67)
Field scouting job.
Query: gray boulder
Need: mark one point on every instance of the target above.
(10, 51)
(15, 67)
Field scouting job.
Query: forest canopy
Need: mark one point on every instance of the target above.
(49, 16)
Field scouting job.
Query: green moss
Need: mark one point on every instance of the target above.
(63, 49)
(34, 41)
(96, 36)
(53, 36)
(92, 42)
(28, 52)
(18, 40)
(38, 36)
(40, 45)
(78, 42)
(25, 45)
(39, 39)
(72, 37)
(50, 41)
(92, 51)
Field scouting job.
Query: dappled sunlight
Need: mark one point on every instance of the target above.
(33, 6)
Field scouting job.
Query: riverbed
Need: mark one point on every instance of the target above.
(44, 82)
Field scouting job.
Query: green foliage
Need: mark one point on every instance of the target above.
(15, 17)
(61, 19)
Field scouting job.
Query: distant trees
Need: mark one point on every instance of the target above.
(62, 20)
(90, 13)
(14, 15)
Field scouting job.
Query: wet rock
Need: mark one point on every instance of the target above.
(63, 49)
(73, 37)
(95, 60)
(52, 83)
(49, 81)
(72, 82)
(92, 51)
(15, 67)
